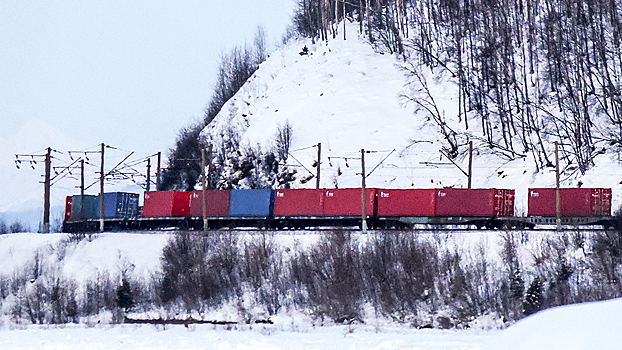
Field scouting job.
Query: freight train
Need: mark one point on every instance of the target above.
(326, 208)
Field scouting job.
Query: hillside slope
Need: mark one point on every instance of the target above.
(348, 97)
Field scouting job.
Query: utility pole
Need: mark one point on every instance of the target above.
(203, 183)
(46, 192)
(319, 158)
(101, 191)
(81, 178)
(46, 182)
(158, 172)
(148, 174)
(557, 193)
(363, 196)
(470, 163)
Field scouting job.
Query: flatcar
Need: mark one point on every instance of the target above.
(318, 208)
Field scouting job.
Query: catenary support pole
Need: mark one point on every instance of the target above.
(319, 159)
(203, 183)
(470, 163)
(81, 179)
(557, 194)
(101, 190)
(148, 187)
(46, 192)
(158, 172)
(363, 194)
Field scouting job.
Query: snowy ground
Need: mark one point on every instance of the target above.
(211, 337)
(580, 327)
(585, 326)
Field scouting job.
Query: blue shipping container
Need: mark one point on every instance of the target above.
(85, 207)
(119, 205)
(251, 203)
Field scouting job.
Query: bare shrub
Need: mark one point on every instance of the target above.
(182, 260)
(198, 269)
(400, 271)
(99, 294)
(263, 269)
(3, 228)
(330, 274)
(17, 227)
(512, 288)
(606, 263)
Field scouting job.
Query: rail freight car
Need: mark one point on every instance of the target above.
(483, 208)
(82, 212)
(317, 208)
(309, 208)
(578, 206)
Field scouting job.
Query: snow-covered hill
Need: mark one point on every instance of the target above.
(348, 97)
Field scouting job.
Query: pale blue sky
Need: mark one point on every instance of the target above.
(126, 73)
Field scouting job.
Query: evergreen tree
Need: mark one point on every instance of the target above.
(125, 297)
(534, 297)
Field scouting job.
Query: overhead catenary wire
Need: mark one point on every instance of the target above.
(382, 161)
(302, 165)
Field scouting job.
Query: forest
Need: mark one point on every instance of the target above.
(527, 71)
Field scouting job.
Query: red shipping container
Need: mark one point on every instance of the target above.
(475, 202)
(409, 202)
(299, 202)
(216, 202)
(166, 203)
(68, 202)
(573, 202)
(347, 202)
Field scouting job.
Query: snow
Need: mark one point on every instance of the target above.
(217, 337)
(138, 255)
(586, 326)
(348, 97)
(581, 327)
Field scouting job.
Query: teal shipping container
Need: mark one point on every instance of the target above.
(84, 207)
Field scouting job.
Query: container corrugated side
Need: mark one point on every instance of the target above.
(217, 203)
(348, 202)
(406, 202)
(166, 203)
(84, 207)
(473, 202)
(298, 202)
(119, 205)
(251, 203)
(574, 202)
(68, 201)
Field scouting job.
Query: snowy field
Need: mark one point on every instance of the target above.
(216, 337)
(585, 326)
(581, 327)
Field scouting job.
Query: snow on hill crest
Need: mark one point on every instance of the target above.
(348, 97)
